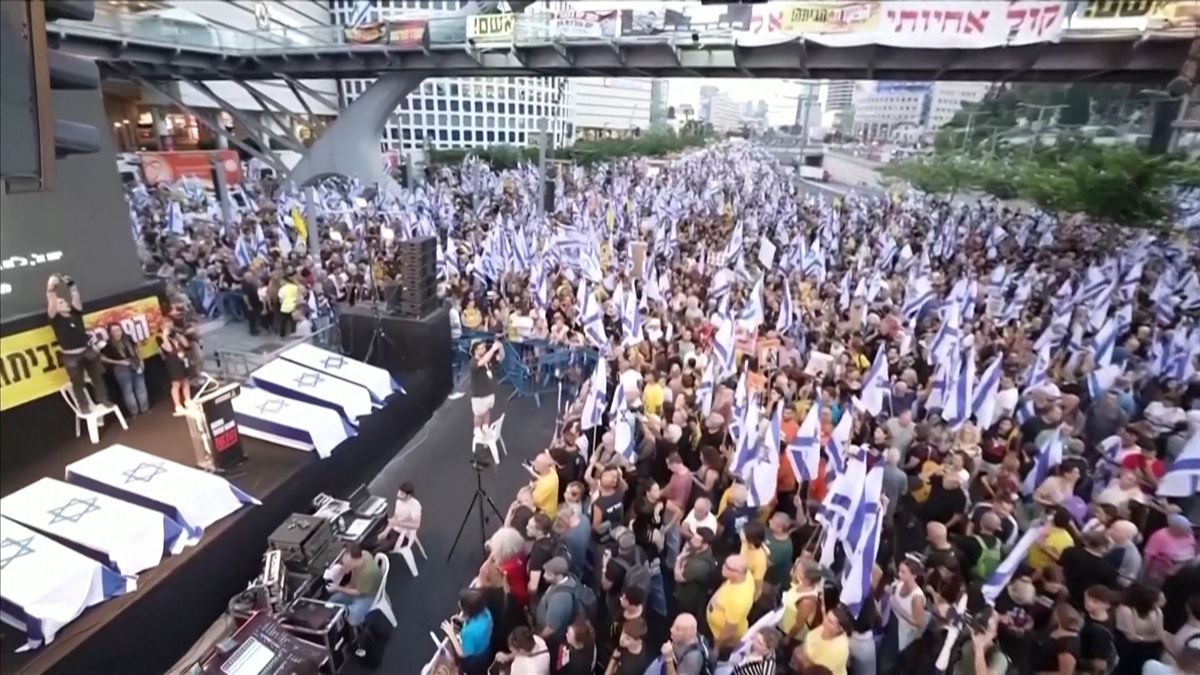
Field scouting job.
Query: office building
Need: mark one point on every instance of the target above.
(461, 112)
(906, 112)
(719, 110)
(660, 108)
(611, 107)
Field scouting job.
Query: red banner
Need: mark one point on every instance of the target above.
(159, 167)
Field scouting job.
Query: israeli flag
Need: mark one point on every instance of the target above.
(747, 440)
(838, 447)
(863, 544)
(787, 311)
(805, 448)
(877, 383)
(958, 404)
(984, 404)
(1182, 478)
(631, 321)
(704, 393)
(774, 436)
(753, 315)
(1049, 456)
(723, 347)
(1009, 566)
(175, 218)
(918, 295)
(1104, 343)
(593, 323)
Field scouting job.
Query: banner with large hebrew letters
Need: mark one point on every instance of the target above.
(31, 365)
(925, 24)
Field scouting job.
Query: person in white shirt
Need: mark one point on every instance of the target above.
(1121, 491)
(701, 515)
(528, 654)
(406, 519)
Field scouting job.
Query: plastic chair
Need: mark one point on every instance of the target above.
(382, 602)
(93, 417)
(491, 437)
(406, 552)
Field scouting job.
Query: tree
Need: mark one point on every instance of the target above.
(940, 174)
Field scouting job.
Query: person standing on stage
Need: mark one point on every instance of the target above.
(78, 355)
(483, 382)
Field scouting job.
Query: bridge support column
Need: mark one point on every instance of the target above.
(350, 146)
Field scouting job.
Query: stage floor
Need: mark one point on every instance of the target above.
(166, 436)
(436, 462)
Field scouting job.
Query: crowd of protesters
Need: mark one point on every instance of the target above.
(785, 460)
(823, 436)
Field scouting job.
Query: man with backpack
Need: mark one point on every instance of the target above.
(687, 652)
(983, 551)
(545, 545)
(564, 601)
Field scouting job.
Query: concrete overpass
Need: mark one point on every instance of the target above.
(124, 47)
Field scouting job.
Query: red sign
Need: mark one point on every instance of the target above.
(159, 167)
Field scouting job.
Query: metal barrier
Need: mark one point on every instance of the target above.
(233, 364)
(532, 367)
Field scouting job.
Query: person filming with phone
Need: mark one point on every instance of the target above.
(78, 353)
(483, 382)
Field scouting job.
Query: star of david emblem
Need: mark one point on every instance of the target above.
(334, 362)
(144, 472)
(73, 510)
(309, 380)
(11, 549)
(273, 406)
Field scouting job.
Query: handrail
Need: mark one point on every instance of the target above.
(180, 30)
(236, 364)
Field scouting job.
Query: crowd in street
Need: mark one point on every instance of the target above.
(859, 435)
(848, 436)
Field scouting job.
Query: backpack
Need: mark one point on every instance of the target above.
(989, 558)
(636, 574)
(706, 651)
(584, 598)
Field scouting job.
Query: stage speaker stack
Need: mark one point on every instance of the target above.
(414, 293)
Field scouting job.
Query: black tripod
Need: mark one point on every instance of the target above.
(476, 506)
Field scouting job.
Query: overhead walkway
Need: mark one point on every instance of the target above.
(155, 48)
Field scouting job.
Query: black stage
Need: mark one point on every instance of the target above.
(416, 343)
(148, 630)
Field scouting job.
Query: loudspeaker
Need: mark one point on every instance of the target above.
(548, 198)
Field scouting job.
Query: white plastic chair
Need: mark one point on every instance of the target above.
(382, 602)
(406, 552)
(491, 437)
(95, 415)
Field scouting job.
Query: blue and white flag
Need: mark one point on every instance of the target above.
(787, 311)
(1008, 567)
(594, 403)
(1182, 478)
(175, 218)
(838, 447)
(593, 323)
(774, 435)
(704, 393)
(984, 404)
(960, 394)
(919, 294)
(805, 448)
(876, 384)
(1104, 343)
(1049, 456)
(862, 544)
(631, 321)
(754, 314)
(747, 437)
(723, 346)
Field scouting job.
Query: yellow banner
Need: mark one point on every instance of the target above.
(831, 17)
(491, 27)
(31, 365)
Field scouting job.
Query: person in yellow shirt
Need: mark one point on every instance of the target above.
(545, 486)
(829, 645)
(1054, 539)
(289, 294)
(729, 609)
(652, 395)
(754, 536)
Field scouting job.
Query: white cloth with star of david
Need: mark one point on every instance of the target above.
(48, 583)
(288, 422)
(131, 536)
(294, 381)
(193, 498)
(377, 381)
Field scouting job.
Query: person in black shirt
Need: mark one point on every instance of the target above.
(540, 531)
(253, 303)
(1085, 566)
(1058, 651)
(483, 384)
(1096, 648)
(78, 355)
(631, 656)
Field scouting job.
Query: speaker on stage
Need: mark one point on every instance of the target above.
(414, 292)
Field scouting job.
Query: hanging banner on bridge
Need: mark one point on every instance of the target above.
(409, 33)
(1138, 15)
(31, 365)
(491, 27)
(922, 24)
